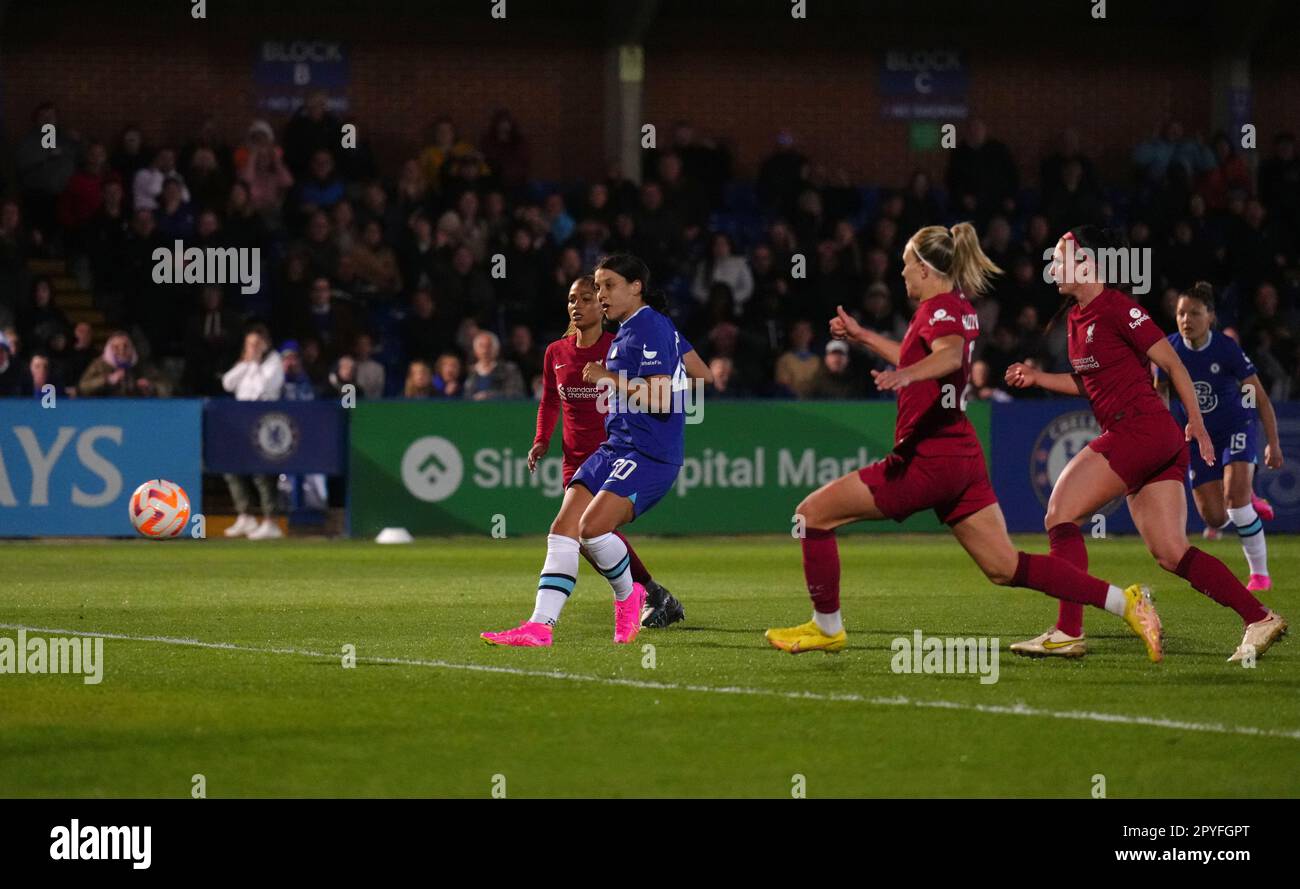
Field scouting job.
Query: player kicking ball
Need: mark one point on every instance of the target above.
(644, 380)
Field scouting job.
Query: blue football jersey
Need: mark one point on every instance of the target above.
(1216, 369)
(648, 345)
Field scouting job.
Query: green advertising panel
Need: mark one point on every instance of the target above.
(461, 468)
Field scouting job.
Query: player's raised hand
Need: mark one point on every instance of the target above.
(844, 326)
(537, 452)
(1196, 432)
(1021, 376)
(1273, 458)
(890, 380)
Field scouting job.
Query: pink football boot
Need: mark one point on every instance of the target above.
(526, 635)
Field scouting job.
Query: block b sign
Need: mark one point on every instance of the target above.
(70, 471)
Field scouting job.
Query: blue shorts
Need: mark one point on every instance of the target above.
(627, 473)
(1236, 444)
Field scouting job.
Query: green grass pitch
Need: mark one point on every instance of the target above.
(720, 713)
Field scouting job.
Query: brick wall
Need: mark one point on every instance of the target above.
(105, 68)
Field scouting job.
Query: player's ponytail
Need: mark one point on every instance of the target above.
(956, 253)
(971, 268)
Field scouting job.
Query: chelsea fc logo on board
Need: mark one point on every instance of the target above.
(1062, 438)
(275, 435)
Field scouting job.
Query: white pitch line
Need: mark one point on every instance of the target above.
(1217, 728)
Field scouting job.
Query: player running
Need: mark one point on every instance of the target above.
(644, 382)
(564, 393)
(937, 462)
(1229, 393)
(1141, 452)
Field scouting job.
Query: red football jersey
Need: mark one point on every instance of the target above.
(564, 389)
(931, 413)
(1108, 342)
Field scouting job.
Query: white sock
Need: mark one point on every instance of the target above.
(1250, 528)
(611, 558)
(1115, 601)
(830, 624)
(559, 574)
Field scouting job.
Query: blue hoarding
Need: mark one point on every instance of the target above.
(69, 470)
(1033, 440)
(273, 436)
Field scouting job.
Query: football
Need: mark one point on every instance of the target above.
(160, 509)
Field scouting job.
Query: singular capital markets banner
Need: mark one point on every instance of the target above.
(1033, 440)
(273, 436)
(437, 468)
(70, 469)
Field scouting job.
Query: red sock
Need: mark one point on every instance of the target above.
(821, 569)
(639, 574)
(1059, 578)
(1211, 577)
(1067, 543)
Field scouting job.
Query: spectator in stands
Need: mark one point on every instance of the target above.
(370, 373)
(782, 176)
(465, 291)
(1228, 174)
(524, 352)
(489, 376)
(257, 376)
(298, 385)
(147, 188)
(130, 155)
(119, 373)
(982, 176)
(419, 381)
(1279, 182)
(174, 214)
(834, 377)
(797, 368)
(1170, 149)
(449, 376)
(1052, 169)
(343, 379)
(208, 182)
(261, 168)
(320, 188)
(312, 128)
(981, 384)
(44, 160)
(211, 339)
(724, 385)
(10, 376)
(40, 374)
(423, 337)
(81, 352)
(723, 267)
(328, 319)
(506, 152)
(1073, 203)
(41, 318)
(446, 145)
(84, 193)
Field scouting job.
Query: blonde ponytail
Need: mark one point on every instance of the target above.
(956, 253)
(971, 268)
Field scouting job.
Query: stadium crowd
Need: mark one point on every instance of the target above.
(448, 279)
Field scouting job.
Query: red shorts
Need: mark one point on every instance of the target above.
(1143, 449)
(954, 487)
